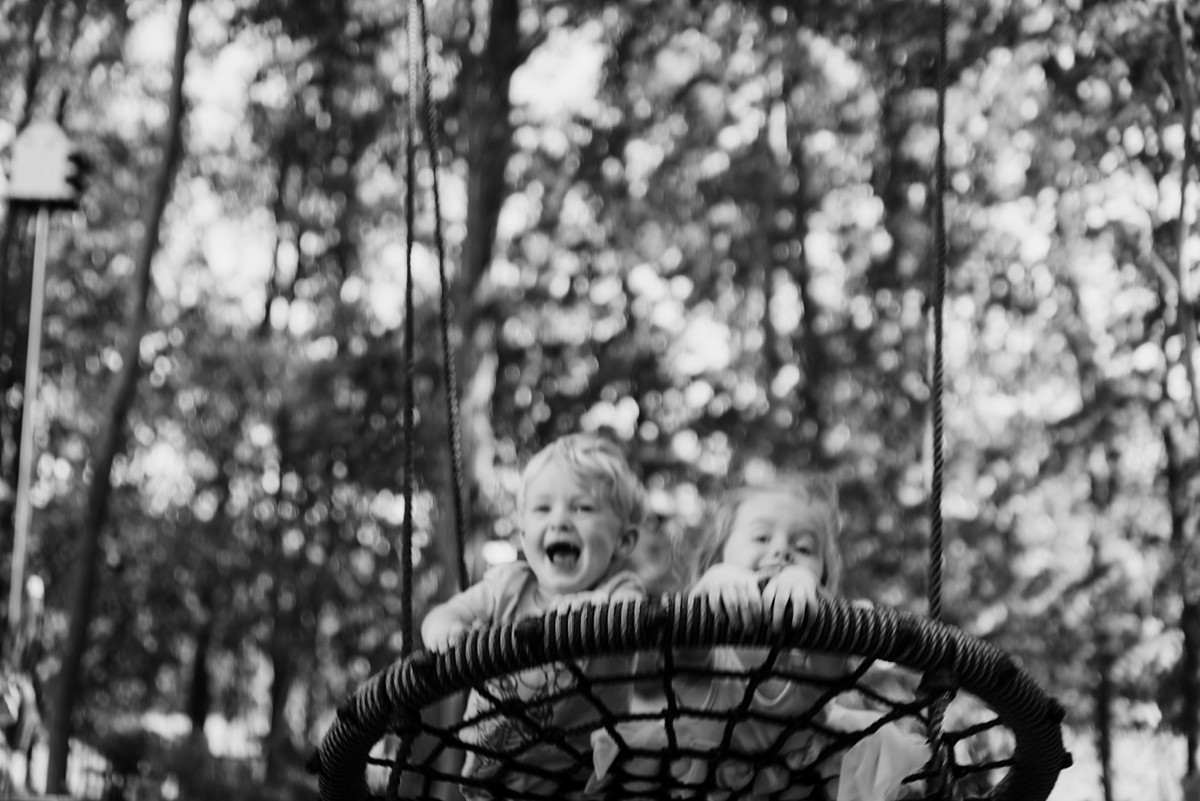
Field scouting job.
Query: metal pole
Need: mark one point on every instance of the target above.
(21, 516)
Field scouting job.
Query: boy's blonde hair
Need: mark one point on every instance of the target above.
(817, 490)
(591, 458)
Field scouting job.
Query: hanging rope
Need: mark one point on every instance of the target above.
(420, 94)
(941, 257)
(944, 786)
(410, 401)
(449, 371)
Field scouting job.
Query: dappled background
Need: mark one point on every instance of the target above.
(703, 227)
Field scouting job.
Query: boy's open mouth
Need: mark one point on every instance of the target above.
(563, 555)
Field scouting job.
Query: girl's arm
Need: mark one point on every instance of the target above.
(731, 590)
(734, 591)
(795, 585)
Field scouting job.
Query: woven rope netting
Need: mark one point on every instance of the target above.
(1001, 734)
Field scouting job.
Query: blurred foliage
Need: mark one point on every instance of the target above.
(704, 227)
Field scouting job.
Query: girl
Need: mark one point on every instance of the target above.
(768, 553)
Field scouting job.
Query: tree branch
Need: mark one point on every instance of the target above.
(1187, 321)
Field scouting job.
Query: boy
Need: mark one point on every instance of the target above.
(579, 506)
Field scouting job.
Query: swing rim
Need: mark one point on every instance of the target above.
(835, 625)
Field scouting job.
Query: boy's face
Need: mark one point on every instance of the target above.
(774, 530)
(569, 533)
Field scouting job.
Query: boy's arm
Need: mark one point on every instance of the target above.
(448, 622)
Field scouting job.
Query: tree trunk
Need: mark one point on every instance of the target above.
(199, 700)
(278, 742)
(1104, 696)
(283, 617)
(1186, 319)
(110, 440)
(489, 136)
(1189, 616)
(1190, 624)
(1177, 482)
(200, 696)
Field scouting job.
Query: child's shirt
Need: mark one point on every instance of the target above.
(508, 591)
(874, 768)
(548, 726)
(781, 701)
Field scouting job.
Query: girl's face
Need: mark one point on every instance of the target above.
(774, 530)
(570, 534)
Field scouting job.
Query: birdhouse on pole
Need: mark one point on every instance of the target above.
(48, 172)
(47, 167)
